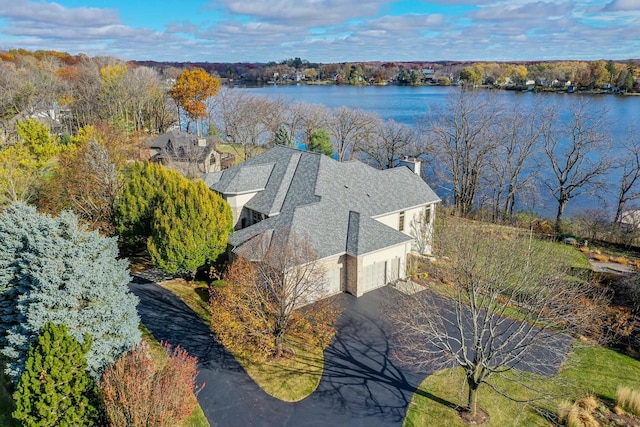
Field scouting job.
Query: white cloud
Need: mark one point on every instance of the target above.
(55, 14)
(622, 6)
(306, 12)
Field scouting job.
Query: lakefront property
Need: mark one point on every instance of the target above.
(357, 219)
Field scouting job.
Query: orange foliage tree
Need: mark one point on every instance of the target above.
(191, 91)
(137, 393)
(266, 305)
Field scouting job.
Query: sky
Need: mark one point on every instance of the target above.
(326, 30)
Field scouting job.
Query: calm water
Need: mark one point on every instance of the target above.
(406, 104)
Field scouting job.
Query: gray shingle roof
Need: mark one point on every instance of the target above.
(330, 202)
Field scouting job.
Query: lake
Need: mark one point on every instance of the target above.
(405, 104)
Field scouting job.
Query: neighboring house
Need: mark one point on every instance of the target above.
(193, 156)
(356, 218)
(630, 218)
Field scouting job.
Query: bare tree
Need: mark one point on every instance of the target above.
(511, 168)
(577, 153)
(464, 139)
(241, 119)
(274, 294)
(498, 276)
(308, 118)
(388, 142)
(629, 167)
(348, 128)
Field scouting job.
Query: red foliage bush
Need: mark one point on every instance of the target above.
(135, 392)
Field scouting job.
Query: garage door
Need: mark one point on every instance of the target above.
(375, 275)
(334, 279)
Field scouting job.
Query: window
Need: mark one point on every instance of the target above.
(427, 215)
(401, 221)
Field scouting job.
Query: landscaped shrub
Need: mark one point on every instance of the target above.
(580, 413)
(620, 260)
(628, 399)
(55, 388)
(137, 393)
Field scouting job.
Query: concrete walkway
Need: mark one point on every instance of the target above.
(362, 383)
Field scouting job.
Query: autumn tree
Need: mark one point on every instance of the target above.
(576, 150)
(508, 301)
(191, 91)
(183, 224)
(273, 299)
(53, 270)
(136, 392)
(86, 181)
(55, 388)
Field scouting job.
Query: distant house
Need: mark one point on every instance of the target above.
(193, 156)
(358, 219)
(630, 218)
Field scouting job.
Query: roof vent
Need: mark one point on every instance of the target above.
(346, 186)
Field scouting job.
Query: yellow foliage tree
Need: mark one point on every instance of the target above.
(191, 90)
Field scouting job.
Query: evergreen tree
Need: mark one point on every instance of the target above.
(53, 270)
(284, 137)
(55, 388)
(320, 142)
(185, 224)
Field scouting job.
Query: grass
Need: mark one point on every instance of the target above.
(288, 379)
(238, 151)
(628, 399)
(588, 370)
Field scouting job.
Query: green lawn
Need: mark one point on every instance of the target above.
(594, 370)
(237, 150)
(290, 379)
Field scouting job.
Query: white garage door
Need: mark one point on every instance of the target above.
(375, 275)
(334, 278)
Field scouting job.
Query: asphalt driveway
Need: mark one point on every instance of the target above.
(362, 384)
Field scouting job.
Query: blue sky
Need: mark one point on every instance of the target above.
(326, 30)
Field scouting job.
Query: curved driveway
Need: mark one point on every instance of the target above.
(362, 384)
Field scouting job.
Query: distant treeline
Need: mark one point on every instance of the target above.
(545, 75)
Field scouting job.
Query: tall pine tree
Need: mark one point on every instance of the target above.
(55, 388)
(52, 270)
(185, 224)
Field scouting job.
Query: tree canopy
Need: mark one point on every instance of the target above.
(183, 224)
(52, 269)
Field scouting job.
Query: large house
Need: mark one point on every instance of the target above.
(192, 155)
(358, 219)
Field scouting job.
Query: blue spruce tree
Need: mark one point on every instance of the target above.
(53, 270)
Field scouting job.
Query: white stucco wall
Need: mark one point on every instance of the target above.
(393, 219)
(237, 202)
(410, 216)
